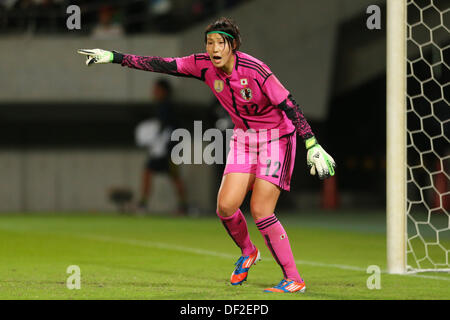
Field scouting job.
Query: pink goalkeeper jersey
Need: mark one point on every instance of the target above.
(252, 95)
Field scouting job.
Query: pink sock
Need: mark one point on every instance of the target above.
(278, 243)
(236, 227)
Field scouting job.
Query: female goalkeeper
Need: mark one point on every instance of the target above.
(256, 102)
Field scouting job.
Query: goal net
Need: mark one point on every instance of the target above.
(428, 135)
(418, 135)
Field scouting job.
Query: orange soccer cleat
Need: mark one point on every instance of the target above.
(243, 265)
(288, 286)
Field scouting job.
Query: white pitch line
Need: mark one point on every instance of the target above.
(158, 245)
(167, 246)
(331, 265)
(161, 245)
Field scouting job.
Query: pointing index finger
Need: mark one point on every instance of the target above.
(85, 52)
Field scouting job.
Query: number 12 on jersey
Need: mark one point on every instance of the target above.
(275, 167)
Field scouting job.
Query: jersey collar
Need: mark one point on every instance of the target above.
(235, 67)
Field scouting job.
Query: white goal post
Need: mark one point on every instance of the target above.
(396, 135)
(417, 136)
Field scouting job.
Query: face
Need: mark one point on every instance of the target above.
(219, 51)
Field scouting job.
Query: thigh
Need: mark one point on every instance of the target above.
(264, 198)
(276, 161)
(242, 157)
(232, 192)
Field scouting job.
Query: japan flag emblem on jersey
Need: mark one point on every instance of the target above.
(246, 94)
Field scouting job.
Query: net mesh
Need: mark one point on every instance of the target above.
(428, 123)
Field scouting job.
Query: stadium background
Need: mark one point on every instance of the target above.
(67, 139)
(67, 133)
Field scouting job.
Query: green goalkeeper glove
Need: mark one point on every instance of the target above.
(97, 56)
(318, 160)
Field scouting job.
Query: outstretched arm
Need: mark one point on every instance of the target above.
(184, 66)
(147, 63)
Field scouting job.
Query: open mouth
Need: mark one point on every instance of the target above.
(217, 59)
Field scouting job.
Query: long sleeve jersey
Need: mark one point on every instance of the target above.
(252, 95)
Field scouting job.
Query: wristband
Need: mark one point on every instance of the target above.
(117, 57)
(310, 142)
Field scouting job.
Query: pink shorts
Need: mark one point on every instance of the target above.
(268, 158)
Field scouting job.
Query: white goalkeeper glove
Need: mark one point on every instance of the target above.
(318, 160)
(97, 56)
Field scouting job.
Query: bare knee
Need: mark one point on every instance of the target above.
(259, 210)
(232, 192)
(226, 207)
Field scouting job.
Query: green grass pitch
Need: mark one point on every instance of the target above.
(174, 258)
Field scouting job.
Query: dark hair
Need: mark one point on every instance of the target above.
(228, 26)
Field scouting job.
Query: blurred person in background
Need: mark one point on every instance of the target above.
(107, 27)
(155, 134)
(161, 15)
